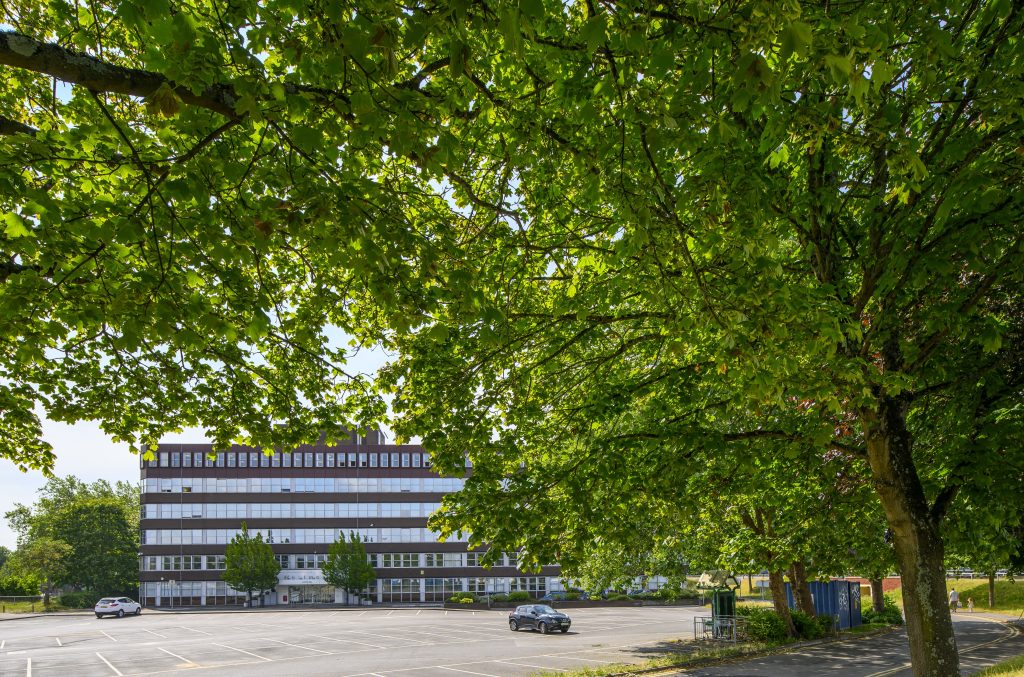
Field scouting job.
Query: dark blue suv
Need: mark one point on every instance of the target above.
(538, 617)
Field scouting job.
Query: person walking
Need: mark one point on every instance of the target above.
(970, 605)
(954, 599)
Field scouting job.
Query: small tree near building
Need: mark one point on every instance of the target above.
(346, 566)
(249, 564)
(46, 559)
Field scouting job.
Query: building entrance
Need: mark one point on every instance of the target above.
(311, 594)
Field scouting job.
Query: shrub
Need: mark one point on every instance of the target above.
(519, 596)
(763, 624)
(890, 616)
(499, 598)
(616, 597)
(811, 627)
(573, 596)
(84, 599)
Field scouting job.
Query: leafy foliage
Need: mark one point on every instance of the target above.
(892, 615)
(249, 563)
(763, 624)
(346, 566)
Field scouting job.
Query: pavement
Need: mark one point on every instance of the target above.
(983, 639)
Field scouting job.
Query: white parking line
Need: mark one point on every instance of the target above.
(154, 633)
(109, 637)
(2, 643)
(581, 658)
(58, 641)
(248, 653)
(349, 641)
(180, 658)
(116, 671)
(528, 665)
(28, 668)
(468, 672)
(377, 634)
(194, 630)
(297, 646)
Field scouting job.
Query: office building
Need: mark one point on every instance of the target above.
(194, 502)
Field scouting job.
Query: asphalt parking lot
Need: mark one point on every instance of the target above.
(345, 642)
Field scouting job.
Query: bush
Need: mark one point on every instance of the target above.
(84, 599)
(890, 616)
(519, 596)
(616, 597)
(462, 598)
(499, 598)
(811, 627)
(763, 624)
(572, 596)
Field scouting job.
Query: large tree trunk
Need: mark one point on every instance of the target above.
(801, 590)
(778, 588)
(991, 590)
(877, 596)
(918, 543)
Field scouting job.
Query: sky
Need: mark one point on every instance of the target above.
(85, 451)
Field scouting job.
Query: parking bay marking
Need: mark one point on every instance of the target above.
(180, 658)
(468, 672)
(109, 637)
(58, 641)
(194, 630)
(298, 646)
(349, 641)
(528, 665)
(109, 665)
(249, 653)
(154, 633)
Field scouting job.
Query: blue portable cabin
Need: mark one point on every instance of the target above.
(833, 598)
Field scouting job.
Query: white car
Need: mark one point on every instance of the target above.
(117, 606)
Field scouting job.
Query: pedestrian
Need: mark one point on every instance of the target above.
(954, 599)
(970, 605)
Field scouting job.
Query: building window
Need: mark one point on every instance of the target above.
(330, 460)
(319, 460)
(351, 460)
(416, 460)
(373, 460)
(243, 460)
(309, 459)
(275, 460)
(231, 459)
(383, 460)
(175, 460)
(362, 460)
(394, 460)
(296, 460)
(286, 460)
(405, 460)
(198, 459)
(186, 460)
(163, 459)
(220, 459)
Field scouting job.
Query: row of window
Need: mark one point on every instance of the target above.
(285, 510)
(382, 560)
(320, 536)
(256, 459)
(382, 590)
(333, 485)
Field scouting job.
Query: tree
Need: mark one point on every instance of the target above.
(44, 558)
(99, 521)
(598, 236)
(347, 567)
(249, 564)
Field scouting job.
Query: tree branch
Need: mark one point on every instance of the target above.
(9, 127)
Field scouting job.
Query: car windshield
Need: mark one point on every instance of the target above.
(544, 609)
(106, 600)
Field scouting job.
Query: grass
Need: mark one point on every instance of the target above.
(1009, 594)
(28, 607)
(670, 661)
(1011, 668)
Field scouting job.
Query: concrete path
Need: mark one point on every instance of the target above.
(983, 639)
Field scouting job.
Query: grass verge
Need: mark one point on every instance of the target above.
(27, 607)
(1009, 594)
(1011, 668)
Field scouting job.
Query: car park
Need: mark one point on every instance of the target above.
(538, 617)
(117, 606)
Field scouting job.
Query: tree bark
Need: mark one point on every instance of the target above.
(877, 596)
(778, 588)
(916, 537)
(801, 590)
(991, 590)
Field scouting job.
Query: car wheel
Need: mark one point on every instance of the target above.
(512, 625)
(99, 615)
(543, 627)
(565, 630)
(138, 611)
(120, 613)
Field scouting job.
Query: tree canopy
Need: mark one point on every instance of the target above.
(249, 564)
(346, 566)
(607, 241)
(98, 522)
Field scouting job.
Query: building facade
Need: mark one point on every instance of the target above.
(194, 502)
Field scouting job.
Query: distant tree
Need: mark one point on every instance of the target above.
(99, 521)
(250, 564)
(346, 566)
(46, 559)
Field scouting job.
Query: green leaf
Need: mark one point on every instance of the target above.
(14, 226)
